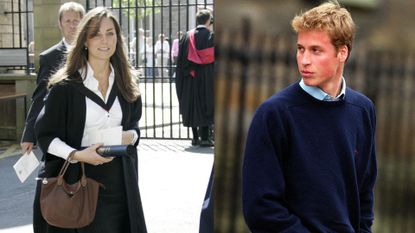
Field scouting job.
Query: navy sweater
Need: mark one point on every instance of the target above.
(310, 165)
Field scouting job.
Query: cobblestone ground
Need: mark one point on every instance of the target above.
(172, 177)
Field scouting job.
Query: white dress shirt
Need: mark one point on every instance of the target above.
(67, 45)
(96, 117)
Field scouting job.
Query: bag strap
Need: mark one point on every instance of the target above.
(65, 167)
(83, 178)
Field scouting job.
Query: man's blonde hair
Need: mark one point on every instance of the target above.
(71, 6)
(331, 18)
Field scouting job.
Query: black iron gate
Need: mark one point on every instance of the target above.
(17, 42)
(150, 28)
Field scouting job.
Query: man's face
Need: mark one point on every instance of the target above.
(319, 63)
(68, 24)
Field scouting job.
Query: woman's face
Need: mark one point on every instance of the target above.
(102, 45)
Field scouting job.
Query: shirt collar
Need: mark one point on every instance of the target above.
(321, 95)
(201, 26)
(91, 82)
(65, 42)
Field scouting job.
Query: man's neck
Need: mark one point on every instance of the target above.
(67, 42)
(332, 88)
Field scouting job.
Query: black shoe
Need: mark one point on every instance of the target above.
(206, 143)
(195, 142)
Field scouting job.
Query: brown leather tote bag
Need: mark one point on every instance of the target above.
(69, 205)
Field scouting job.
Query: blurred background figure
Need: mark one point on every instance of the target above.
(162, 49)
(175, 50)
(149, 59)
(138, 54)
(31, 49)
(175, 47)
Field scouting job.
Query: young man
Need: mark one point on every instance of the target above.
(194, 78)
(309, 161)
(70, 14)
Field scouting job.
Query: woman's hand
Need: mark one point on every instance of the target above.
(127, 137)
(90, 155)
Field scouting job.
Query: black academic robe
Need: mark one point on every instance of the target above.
(49, 61)
(195, 82)
(64, 117)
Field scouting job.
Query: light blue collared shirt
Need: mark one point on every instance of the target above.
(321, 95)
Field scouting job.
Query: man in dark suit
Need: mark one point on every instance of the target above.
(70, 14)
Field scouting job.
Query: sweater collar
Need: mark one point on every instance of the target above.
(321, 95)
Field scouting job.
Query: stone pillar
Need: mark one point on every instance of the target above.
(47, 33)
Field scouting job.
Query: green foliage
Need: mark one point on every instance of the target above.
(145, 7)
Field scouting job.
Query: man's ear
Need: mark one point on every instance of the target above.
(59, 24)
(342, 53)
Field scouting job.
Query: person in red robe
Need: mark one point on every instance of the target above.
(194, 79)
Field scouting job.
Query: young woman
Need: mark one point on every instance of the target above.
(98, 64)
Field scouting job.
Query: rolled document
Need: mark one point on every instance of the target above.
(116, 151)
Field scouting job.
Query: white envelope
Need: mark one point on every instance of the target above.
(110, 136)
(25, 166)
